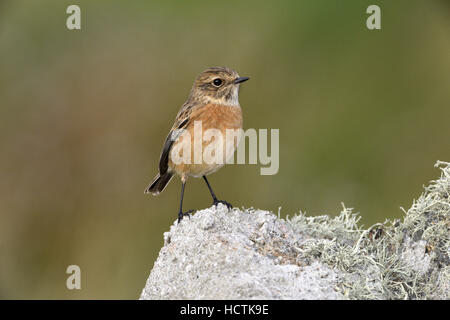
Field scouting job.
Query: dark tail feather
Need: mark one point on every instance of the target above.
(158, 184)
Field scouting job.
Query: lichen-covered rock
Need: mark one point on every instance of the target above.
(253, 254)
(228, 255)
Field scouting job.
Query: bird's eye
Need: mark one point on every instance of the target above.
(217, 82)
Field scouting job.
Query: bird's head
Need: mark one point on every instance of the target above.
(218, 85)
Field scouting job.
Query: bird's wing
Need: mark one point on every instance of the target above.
(181, 121)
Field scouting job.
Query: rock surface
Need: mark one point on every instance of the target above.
(253, 254)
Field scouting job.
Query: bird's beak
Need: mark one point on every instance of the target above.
(240, 79)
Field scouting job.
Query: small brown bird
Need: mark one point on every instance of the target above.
(214, 103)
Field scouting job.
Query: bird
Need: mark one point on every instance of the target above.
(213, 102)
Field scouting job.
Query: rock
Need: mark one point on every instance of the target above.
(253, 254)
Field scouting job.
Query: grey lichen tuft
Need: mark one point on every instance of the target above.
(406, 259)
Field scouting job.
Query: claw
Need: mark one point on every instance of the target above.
(229, 206)
(181, 215)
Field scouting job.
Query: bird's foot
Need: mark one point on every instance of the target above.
(216, 202)
(181, 215)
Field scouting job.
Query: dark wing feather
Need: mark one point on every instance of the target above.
(180, 122)
(164, 160)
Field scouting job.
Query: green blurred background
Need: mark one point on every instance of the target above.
(363, 116)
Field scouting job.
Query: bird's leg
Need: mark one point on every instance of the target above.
(182, 214)
(215, 200)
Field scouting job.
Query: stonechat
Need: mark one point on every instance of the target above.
(214, 103)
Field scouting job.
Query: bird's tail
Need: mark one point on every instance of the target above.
(158, 184)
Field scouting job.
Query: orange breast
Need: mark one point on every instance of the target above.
(218, 116)
(211, 116)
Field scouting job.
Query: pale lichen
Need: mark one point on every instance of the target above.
(406, 259)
